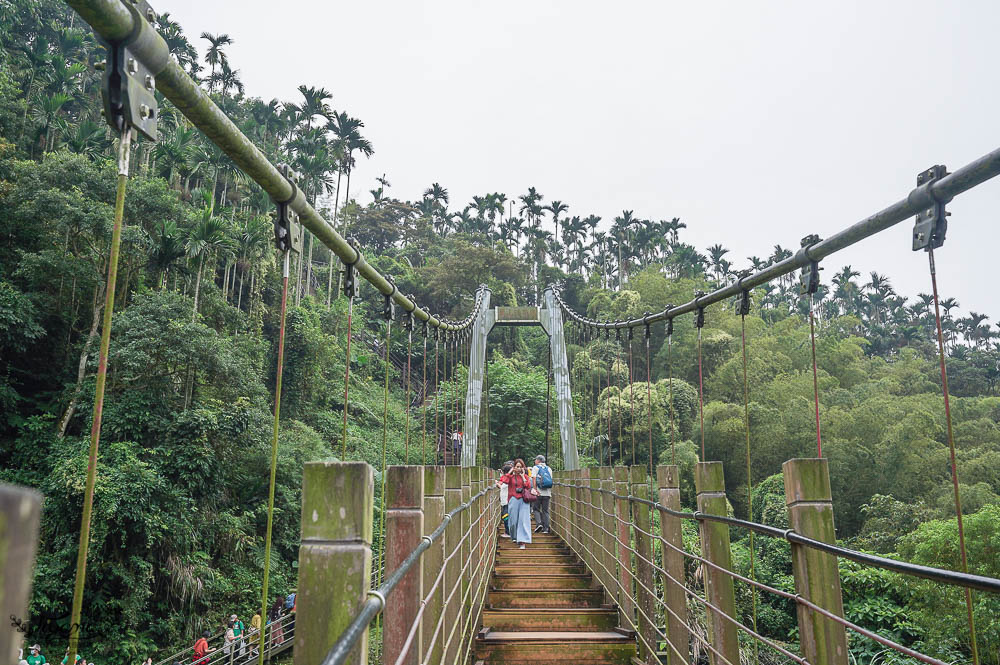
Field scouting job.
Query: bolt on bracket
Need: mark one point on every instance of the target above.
(931, 223)
(128, 85)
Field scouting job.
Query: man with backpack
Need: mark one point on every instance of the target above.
(543, 483)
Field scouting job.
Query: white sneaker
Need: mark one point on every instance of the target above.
(521, 547)
(505, 535)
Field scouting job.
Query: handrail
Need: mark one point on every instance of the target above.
(377, 598)
(920, 198)
(114, 22)
(954, 578)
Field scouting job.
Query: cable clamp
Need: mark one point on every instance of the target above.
(287, 233)
(427, 539)
(128, 86)
(809, 280)
(931, 223)
(699, 319)
(743, 303)
(388, 306)
(351, 285)
(375, 593)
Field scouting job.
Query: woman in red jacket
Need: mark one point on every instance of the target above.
(518, 483)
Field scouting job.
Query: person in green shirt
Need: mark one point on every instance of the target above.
(66, 657)
(238, 630)
(36, 657)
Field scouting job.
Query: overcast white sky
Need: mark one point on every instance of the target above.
(754, 122)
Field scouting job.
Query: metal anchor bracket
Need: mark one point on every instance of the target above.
(128, 85)
(931, 223)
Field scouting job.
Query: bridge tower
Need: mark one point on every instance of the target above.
(550, 319)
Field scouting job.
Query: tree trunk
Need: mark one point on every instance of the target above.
(239, 296)
(197, 288)
(81, 371)
(309, 263)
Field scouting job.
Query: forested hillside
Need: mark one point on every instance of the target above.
(181, 499)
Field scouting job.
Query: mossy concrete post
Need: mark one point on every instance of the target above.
(404, 527)
(465, 601)
(645, 587)
(335, 556)
(20, 512)
(453, 569)
(623, 521)
(596, 532)
(710, 486)
(586, 528)
(668, 481)
(609, 551)
(433, 560)
(817, 578)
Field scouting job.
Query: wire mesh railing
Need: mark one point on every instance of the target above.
(441, 530)
(278, 638)
(608, 521)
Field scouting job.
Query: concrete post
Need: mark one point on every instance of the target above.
(433, 561)
(597, 535)
(609, 551)
(623, 517)
(335, 556)
(404, 527)
(20, 511)
(817, 577)
(645, 587)
(711, 488)
(453, 569)
(668, 480)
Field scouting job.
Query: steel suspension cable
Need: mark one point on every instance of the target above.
(409, 358)
(548, 402)
(649, 414)
(385, 436)
(423, 399)
(621, 389)
(274, 444)
(347, 374)
(700, 322)
(670, 383)
(124, 152)
(812, 337)
(631, 393)
(437, 395)
(951, 450)
(744, 310)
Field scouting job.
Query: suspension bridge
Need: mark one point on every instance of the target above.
(609, 584)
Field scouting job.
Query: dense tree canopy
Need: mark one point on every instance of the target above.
(181, 498)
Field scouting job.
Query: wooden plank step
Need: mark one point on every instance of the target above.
(579, 648)
(535, 582)
(572, 619)
(540, 568)
(498, 598)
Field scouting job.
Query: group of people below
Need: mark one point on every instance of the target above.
(35, 657)
(238, 641)
(523, 491)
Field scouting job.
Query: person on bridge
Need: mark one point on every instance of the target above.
(255, 624)
(274, 619)
(36, 657)
(238, 630)
(519, 514)
(504, 497)
(542, 475)
(201, 649)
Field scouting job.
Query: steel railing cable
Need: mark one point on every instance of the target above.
(617, 582)
(274, 440)
(752, 582)
(124, 151)
(951, 451)
(375, 603)
(743, 306)
(944, 576)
